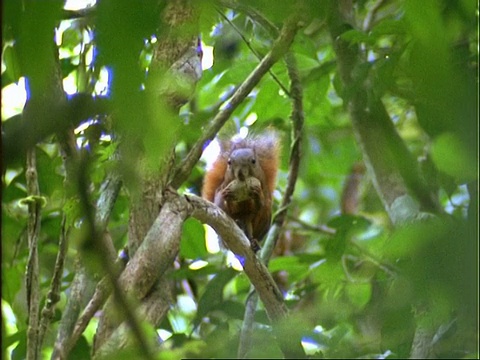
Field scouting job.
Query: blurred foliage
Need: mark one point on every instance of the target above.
(352, 294)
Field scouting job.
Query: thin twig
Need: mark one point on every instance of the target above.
(297, 118)
(32, 283)
(320, 228)
(253, 14)
(254, 52)
(53, 295)
(370, 17)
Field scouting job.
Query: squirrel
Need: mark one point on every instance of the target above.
(241, 182)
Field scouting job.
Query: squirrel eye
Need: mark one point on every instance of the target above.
(229, 162)
(254, 161)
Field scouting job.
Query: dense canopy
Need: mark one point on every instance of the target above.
(111, 115)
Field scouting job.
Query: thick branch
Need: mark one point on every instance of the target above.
(108, 195)
(237, 242)
(160, 246)
(154, 256)
(102, 292)
(256, 271)
(157, 251)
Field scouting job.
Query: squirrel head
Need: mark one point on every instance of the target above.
(242, 163)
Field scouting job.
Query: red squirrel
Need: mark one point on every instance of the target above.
(242, 180)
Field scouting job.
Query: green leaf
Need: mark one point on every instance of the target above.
(186, 273)
(329, 274)
(36, 42)
(359, 294)
(20, 351)
(349, 222)
(67, 66)
(12, 66)
(10, 281)
(213, 294)
(452, 157)
(292, 265)
(388, 27)
(356, 36)
(192, 245)
(233, 309)
(71, 37)
(81, 350)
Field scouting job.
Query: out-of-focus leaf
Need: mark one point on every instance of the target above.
(213, 294)
(38, 18)
(192, 245)
(67, 66)
(359, 294)
(71, 37)
(388, 27)
(81, 350)
(267, 95)
(233, 309)
(20, 351)
(349, 222)
(10, 282)
(291, 264)
(356, 36)
(49, 173)
(453, 158)
(12, 66)
(329, 275)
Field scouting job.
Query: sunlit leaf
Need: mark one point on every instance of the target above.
(192, 245)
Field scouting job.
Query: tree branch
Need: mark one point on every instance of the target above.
(53, 295)
(34, 203)
(253, 267)
(80, 291)
(154, 256)
(394, 171)
(237, 242)
(370, 17)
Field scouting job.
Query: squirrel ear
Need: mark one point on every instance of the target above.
(225, 145)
